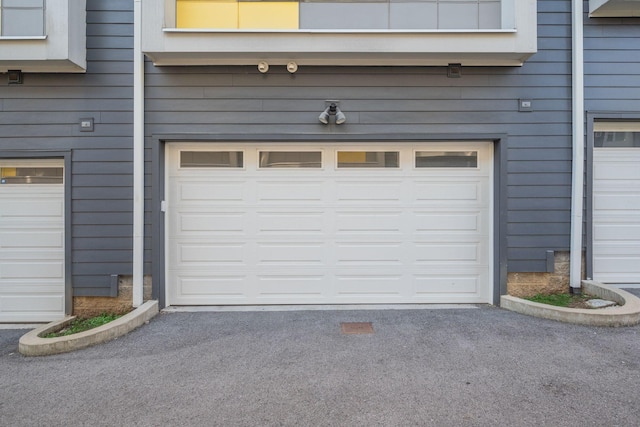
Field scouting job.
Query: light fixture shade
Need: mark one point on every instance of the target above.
(324, 116)
(340, 117)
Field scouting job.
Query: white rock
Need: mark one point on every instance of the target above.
(600, 303)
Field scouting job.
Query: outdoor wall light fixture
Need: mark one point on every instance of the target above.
(454, 71)
(332, 110)
(292, 67)
(263, 66)
(15, 77)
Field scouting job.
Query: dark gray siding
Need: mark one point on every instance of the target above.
(44, 113)
(404, 100)
(612, 64)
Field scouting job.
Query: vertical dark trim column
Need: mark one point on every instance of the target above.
(500, 219)
(157, 217)
(68, 237)
(589, 199)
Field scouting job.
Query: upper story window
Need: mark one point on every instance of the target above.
(339, 14)
(22, 18)
(339, 32)
(43, 36)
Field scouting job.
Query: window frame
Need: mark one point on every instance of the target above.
(511, 45)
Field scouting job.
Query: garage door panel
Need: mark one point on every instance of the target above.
(446, 191)
(31, 270)
(32, 255)
(331, 235)
(606, 233)
(609, 203)
(426, 253)
(371, 285)
(353, 192)
(291, 254)
(290, 192)
(290, 222)
(359, 254)
(379, 222)
(630, 248)
(19, 207)
(621, 170)
(27, 255)
(37, 304)
(616, 215)
(211, 192)
(620, 264)
(212, 223)
(207, 253)
(426, 222)
(41, 238)
(210, 285)
(285, 287)
(438, 284)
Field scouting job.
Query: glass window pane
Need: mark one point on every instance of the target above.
(211, 159)
(446, 159)
(31, 175)
(368, 159)
(290, 159)
(616, 139)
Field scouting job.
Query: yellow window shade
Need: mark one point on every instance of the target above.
(7, 172)
(207, 14)
(268, 15)
(352, 156)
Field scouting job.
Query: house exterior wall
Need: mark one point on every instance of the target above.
(43, 115)
(238, 100)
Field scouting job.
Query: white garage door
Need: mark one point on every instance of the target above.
(31, 241)
(616, 203)
(302, 224)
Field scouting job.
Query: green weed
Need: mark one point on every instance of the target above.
(83, 324)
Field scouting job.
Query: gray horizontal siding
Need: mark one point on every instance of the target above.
(240, 100)
(44, 114)
(612, 64)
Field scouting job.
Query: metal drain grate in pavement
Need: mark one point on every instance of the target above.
(356, 327)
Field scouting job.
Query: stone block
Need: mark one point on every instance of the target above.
(123, 303)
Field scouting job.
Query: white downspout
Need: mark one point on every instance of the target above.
(577, 173)
(138, 157)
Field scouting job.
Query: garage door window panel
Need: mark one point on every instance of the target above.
(31, 175)
(290, 159)
(617, 140)
(368, 159)
(446, 159)
(211, 159)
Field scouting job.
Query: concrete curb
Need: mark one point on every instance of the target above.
(626, 314)
(32, 345)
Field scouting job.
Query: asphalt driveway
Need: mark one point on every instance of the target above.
(478, 366)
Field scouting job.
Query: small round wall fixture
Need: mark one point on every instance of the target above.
(292, 67)
(263, 66)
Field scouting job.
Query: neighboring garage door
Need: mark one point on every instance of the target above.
(616, 203)
(32, 284)
(329, 224)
